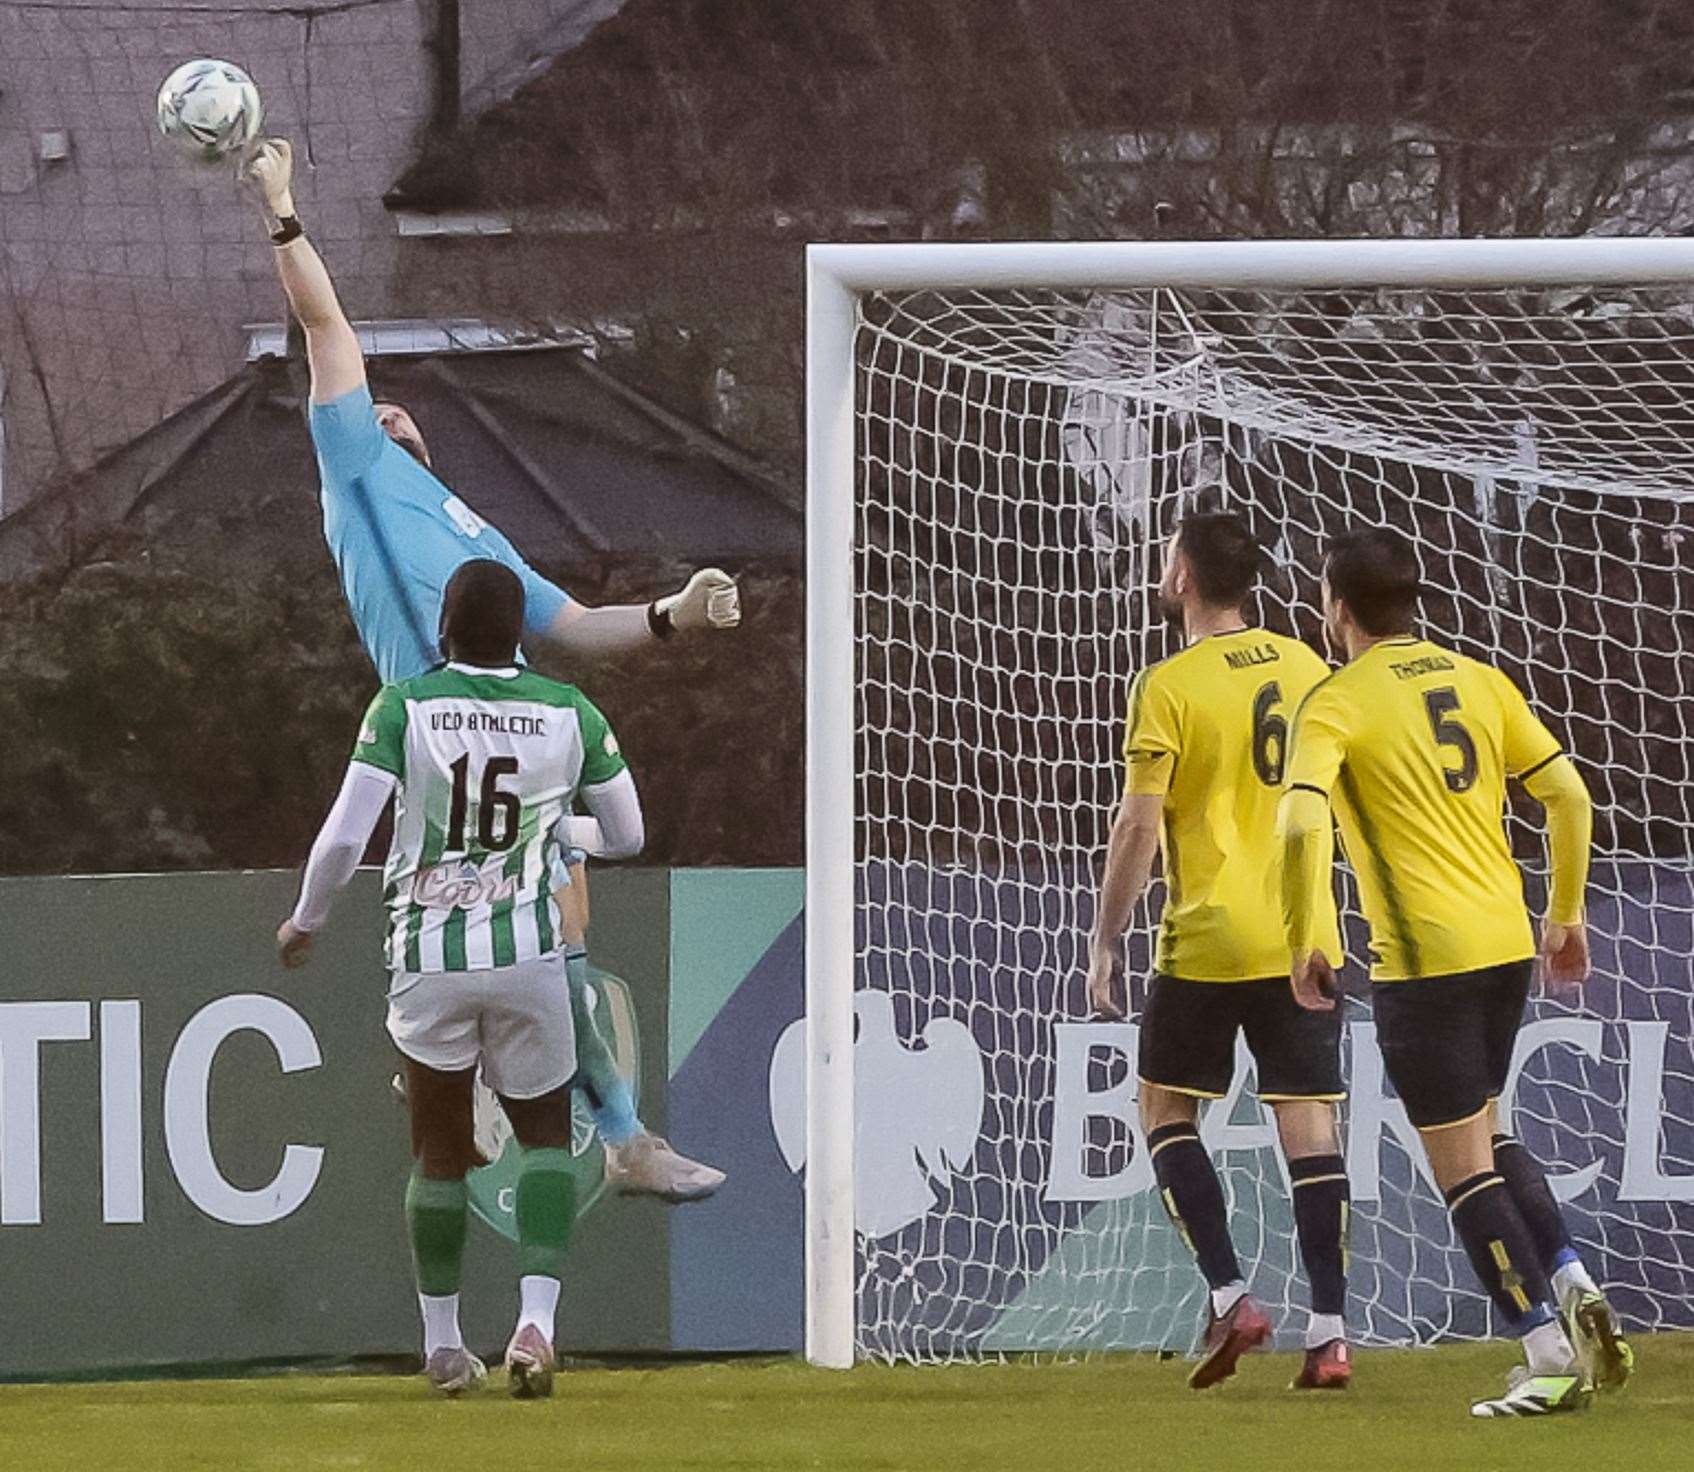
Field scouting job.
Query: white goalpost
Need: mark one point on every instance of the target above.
(1000, 437)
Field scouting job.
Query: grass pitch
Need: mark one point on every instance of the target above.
(1407, 1410)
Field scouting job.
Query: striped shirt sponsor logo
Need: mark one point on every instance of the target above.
(462, 885)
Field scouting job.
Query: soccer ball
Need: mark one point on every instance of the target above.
(209, 109)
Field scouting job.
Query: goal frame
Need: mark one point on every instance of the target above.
(836, 276)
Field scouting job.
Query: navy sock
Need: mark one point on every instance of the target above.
(1321, 1204)
(1535, 1202)
(1501, 1250)
(1194, 1198)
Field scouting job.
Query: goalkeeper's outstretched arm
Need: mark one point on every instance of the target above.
(332, 347)
(709, 600)
(1129, 865)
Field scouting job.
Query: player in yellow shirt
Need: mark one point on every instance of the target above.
(1413, 742)
(1207, 732)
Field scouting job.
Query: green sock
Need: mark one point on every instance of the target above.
(546, 1211)
(436, 1217)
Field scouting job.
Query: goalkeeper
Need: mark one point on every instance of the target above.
(397, 535)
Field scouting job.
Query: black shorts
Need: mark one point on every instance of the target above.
(1447, 1040)
(1188, 1039)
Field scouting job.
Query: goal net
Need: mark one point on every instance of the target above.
(1019, 459)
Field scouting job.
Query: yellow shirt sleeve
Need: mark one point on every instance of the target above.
(1317, 745)
(1307, 835)
(1526, 744)
(1152, 737)
(1558, 787)
(1533, 755)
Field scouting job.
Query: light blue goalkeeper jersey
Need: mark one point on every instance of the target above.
(397, 535)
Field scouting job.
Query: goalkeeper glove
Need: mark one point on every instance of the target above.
(710, 600)
(268, 175)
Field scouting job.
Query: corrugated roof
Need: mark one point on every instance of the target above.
(574, 465)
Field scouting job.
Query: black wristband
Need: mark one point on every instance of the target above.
(659, 623)
(288, 227)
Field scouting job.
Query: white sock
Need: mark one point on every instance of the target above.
(1321, 1328)
(540, 1302)
(1548, 1351)
(441, 1322)
(1225, 1298)
(1573, 1278)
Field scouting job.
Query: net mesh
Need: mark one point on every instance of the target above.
(1021, 458)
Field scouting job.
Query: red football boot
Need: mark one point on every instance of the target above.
(1328, 1367)
(1243, 1328)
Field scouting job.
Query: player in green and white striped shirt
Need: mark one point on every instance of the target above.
(470, 877)
(484, 760)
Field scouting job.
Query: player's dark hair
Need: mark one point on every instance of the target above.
(1374, 571)
(482, 614)
(1224, 554)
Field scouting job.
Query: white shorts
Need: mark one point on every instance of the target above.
(515, 1021)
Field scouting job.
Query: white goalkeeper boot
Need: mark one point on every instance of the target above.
(647, 1166)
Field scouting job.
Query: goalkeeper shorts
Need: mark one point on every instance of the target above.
(513, 1020)
(1188, 1033)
